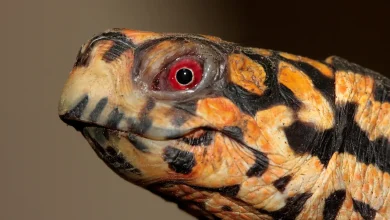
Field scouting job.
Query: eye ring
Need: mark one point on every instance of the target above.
(195, 68)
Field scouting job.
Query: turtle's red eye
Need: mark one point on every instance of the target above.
(185, 74)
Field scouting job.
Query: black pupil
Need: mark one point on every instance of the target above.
(184, 76)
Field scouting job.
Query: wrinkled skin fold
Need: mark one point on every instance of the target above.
(255, 134)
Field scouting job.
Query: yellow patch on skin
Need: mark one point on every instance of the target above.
(324, 69)
(305, 171)
(271, 123)
(246, 73)
(316, 109)
(256, 192)
(372, 116)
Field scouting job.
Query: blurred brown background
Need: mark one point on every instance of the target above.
(48, 171)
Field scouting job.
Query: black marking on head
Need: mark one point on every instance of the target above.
(114, 118)
(181, 115)
(230, 191)
(149, 105)
(98, 109)
(178, 160)
(83, 57)
(183, 112)
(341, 64)
(204, 139)
(381, 91)
(139, 127)
(353, 140)
(234, 132)
(77, 111)
(291, 210)
(179, 119)
(275, 93)
(137, 144)
(269, 63)
(106, 134)
(261, 160)
(365, 210)
(289, 97)
(251, 103)
(121, 44)
(260, 165)
(143, 124)
(333, 204)
(188, 106)
(226, 208)
(116, 161)
(282, 182)
(324, 84)
(304, 138)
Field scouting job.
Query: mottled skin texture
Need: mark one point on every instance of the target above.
(265, 135)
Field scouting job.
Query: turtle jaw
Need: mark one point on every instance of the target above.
(137, 159)
(134, 158)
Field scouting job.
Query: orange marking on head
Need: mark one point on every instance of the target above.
(372, 116)
(247, 73)
(348, 203)
(263, 52)
(324, 69)
(225, 162)
(316, 109)
(220, 112)
(252, 132)
(139, 37)
(364, 183)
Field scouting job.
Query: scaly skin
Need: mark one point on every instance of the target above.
(264, 135)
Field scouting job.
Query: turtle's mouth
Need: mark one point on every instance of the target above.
(142, 142)
(136, 158)
(152, 133)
